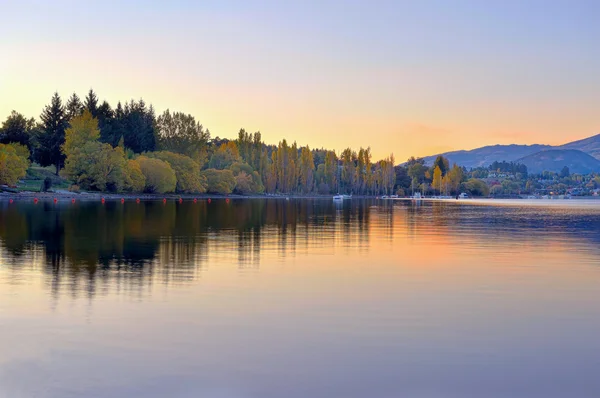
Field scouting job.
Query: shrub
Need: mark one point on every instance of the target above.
(187, 171)
(160, 177)
(220, 181)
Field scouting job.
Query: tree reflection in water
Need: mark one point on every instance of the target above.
(90, 247)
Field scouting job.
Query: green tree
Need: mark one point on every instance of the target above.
(565, 172)
(160, 177)
(182, 134)
(138, 125)
(52, 135)
(91, 103)
(476, 187)
(442, 163)
(74, 107)
(220, 181)
(16, 128)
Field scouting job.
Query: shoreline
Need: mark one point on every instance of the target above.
(29, 195)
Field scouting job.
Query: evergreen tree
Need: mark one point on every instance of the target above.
(52, 135)
(74, 107)
(91, 103)
(17, 129)
(139, 124)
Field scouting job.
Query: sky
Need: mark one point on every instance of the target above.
(408, 77)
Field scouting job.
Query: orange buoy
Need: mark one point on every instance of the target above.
(55, 200)
(102, 200)
(227, 200)
(208, 200)
(122, 200)
(10, 201)
(195, 200)
(164, 200)
(180, 200)
(73, 200)
(137, 200)
(35, 200)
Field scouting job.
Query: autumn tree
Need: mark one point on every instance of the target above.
(330, 170)
(160, 177)
(226, 155)
(348, 169)
(454, 178)
(442, 163)
(220, 181)
(187, 171)
(135, 181)
(307, 169)
(14, 162)
(251, 180)
(437, 179)
(90, 163)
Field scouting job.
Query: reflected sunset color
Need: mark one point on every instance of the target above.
(250, 297)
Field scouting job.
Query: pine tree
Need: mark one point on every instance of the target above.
(91, 103)
(74, 107)
(52, 135)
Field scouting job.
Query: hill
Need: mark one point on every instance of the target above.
(590, 145)
(555, 159)
(484, 156)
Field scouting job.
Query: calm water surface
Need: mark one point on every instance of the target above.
(273, 298)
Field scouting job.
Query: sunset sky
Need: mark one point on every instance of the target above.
(409, 77)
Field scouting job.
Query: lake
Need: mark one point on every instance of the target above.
(299, 298)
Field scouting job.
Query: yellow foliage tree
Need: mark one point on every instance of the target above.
(186, 170)
(160, 177)
(14, 162)
(437, 179)
(135, 181)
(90, 163)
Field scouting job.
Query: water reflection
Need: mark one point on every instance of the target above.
(138, 244)
(135, 245)
(272, 298)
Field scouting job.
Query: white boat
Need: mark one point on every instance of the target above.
(384, 197)
(338, 197)
(463, 196)
(393, 196)
(347, 196)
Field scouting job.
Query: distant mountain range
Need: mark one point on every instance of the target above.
(581, 156)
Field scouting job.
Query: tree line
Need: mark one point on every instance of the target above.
(129, 148)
